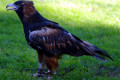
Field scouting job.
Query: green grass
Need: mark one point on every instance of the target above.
(96, 21)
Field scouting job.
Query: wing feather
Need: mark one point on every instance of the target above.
(54, 41)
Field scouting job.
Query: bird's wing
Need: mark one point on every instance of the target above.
(54, 40)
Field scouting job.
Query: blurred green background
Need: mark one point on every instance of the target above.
(96, 21)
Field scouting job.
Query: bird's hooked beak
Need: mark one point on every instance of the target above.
(12, 6)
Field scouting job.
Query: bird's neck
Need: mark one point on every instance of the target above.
(29, 16)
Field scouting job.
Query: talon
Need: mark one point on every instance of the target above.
(49, 78)
(35, 75)
(40, 71)
(50, 73)
(38, 75)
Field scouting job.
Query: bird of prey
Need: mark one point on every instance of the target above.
(49, 39)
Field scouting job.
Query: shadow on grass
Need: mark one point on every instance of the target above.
(108, 71)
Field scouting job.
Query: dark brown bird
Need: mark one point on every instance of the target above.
(49, 39)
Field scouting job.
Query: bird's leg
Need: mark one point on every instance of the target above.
(51, 64)
(41, 64)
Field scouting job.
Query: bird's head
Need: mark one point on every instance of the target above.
(19, 5)
(24, 8)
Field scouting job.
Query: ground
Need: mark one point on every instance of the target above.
(96, 21)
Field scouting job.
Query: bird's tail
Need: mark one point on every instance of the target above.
(95, 51)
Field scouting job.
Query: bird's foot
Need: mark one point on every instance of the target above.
(44, 76)
(50, 73)
(49, 77)
(40, 73)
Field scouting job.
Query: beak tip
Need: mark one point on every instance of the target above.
(6, 6)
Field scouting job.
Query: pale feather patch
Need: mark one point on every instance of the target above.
(40, 65)
(71, 36)
(39, 47)
(29, 31)
(43, 38)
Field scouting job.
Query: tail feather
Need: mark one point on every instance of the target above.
(99, 57)
(102, 52)
(94, 51)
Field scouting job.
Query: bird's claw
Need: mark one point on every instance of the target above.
(38, 75)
